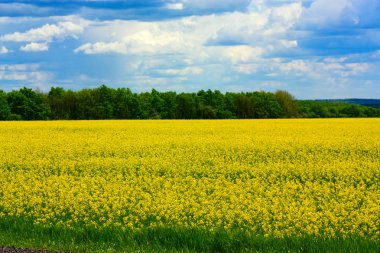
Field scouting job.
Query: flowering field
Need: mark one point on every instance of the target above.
(203, 185)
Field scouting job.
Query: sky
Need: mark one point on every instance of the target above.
(311, 48)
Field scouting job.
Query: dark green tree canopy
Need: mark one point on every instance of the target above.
(121, 103)
(5, 110)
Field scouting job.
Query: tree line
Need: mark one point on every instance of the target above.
(121, 103)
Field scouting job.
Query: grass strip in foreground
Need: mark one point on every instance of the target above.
(22, 234)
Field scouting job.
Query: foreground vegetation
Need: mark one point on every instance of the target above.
(122, 103)
(220, 186)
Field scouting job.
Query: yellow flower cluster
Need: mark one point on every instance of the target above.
(271, 177)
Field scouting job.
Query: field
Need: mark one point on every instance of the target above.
(219, 186)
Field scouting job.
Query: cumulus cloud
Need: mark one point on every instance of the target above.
(246, 68)
(102, 47)
(243, 36)
(30, 73)
(175, 6)
(268, 29)
(242, 53)
(344, 13)
(141, 42)
(234, 44)
(182, 72)
(47, 33)
(3, 50)
(35, 47)
(338, 67)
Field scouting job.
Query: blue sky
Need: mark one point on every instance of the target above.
(311, 48)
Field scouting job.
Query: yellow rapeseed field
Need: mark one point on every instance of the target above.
(277, 178)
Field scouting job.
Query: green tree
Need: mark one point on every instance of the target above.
(5, 110)
(145, 99)
(169, 105)
(320, 110)
(244, 106)
(265, 105)
(287, 103)
(230, 105)
(18, 104)
(57, 103)
(126, 105)
(86, 104)
(104, 102)
(352, 111)
(30, 105)
(157, 105)
(70, 102)
(186, 107)
(39, 108)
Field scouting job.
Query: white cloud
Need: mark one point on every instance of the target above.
(237, 42)
(273, 84)
(296, 66)
(30, 73)
(183, 72)
(287, 14)
(102, 47)
(240, 36)
(267, 28)
(175, 6)
(246, 68)
(288, 43)
(328, 68)
(150, 41)
(35, 47)
(242, 53)
(355, 69)
(45, 33)
(3, 50)
(324, 12)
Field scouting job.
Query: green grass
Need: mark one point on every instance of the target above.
(22, 234)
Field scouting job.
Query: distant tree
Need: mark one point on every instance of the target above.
(145, 99)
(230, 105)
(333, 112)
(5, 110)
(42, 103)
(352, 111)
(169, 105)
(287, 103)
(320, 110)
(244, 106)
(104, 102)
(57, 103)
(121, 103)
(265, 105)
(371, 112)
(86, 104)
(206, 112)
(18, 104)
(157, 105)
(186, 108)
(70, 103)
(327, 109)
(125, 104)
(29, 104)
